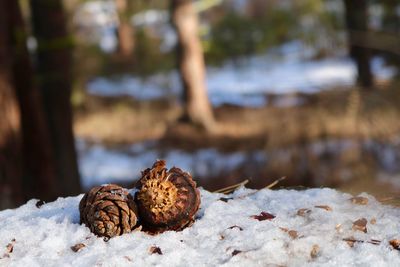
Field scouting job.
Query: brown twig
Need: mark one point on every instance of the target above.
(387, 199)
(231, 188)
(275, 182)
(372, 241)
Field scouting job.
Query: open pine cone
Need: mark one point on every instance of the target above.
(108, 211)
(166, 200)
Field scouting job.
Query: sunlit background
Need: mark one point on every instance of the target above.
(282, 79)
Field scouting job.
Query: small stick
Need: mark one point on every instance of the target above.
(275, 182)
(372, 241)
(266, 187)
(231, 188)
(387, 199)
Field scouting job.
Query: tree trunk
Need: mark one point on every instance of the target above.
(54, 60)
(10, 141)
(391, 25)
(39, 172)
(356, 22)
(191, 64)
(125, 31)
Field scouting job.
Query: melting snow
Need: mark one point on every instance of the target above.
(44, 236)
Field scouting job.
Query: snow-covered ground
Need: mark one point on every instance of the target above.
(283, 70)
(224, 234)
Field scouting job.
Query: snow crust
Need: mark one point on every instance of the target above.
(44, 236)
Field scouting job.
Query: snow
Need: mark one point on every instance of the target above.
(43, 236)
(99, 164)
(97, 21)
(284, 70)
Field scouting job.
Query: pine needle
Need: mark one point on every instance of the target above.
(275, 182)
(231, 188)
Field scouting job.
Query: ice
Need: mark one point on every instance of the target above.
(43, 236)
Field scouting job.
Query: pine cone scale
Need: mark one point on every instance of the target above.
(108, 211)
(167, 199)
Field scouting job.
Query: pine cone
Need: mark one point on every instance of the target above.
(108, 211)
(166, 200)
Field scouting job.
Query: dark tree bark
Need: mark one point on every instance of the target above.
(191, 64)
(356, 23)
(10, 140)
(39, 178)
(125, 30)
(54, 58)
(391, 25)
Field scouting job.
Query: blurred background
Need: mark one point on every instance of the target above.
(93, 92)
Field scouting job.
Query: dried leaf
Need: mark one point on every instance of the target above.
(77, 247)
(350, 241)
(128, 258)
(359, 200)
(221, 237)
(40, 203)
(235, 252)
(325, 207)
(225, 199)
(303, 212)
(293, 234)
(372, 221)
(314, 251)
(154, 250)
(395, 243)
(263, 216)
(338, 227)
(235, 226)
(374, 242)
(9, 248)
(360, 225)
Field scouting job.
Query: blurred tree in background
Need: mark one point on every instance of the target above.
(391, 25)
(38, 157)
(54, 69)
(10, 134)
(357, 27)
(191, 64)
(126, 43)
(39, 179)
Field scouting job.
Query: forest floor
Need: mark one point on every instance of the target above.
(316, 227)
(339, 113)
(336, 113)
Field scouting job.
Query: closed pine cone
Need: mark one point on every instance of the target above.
(167, 199)
(108, 211)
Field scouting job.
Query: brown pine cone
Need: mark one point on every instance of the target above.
(108, 211)
(166, 200)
